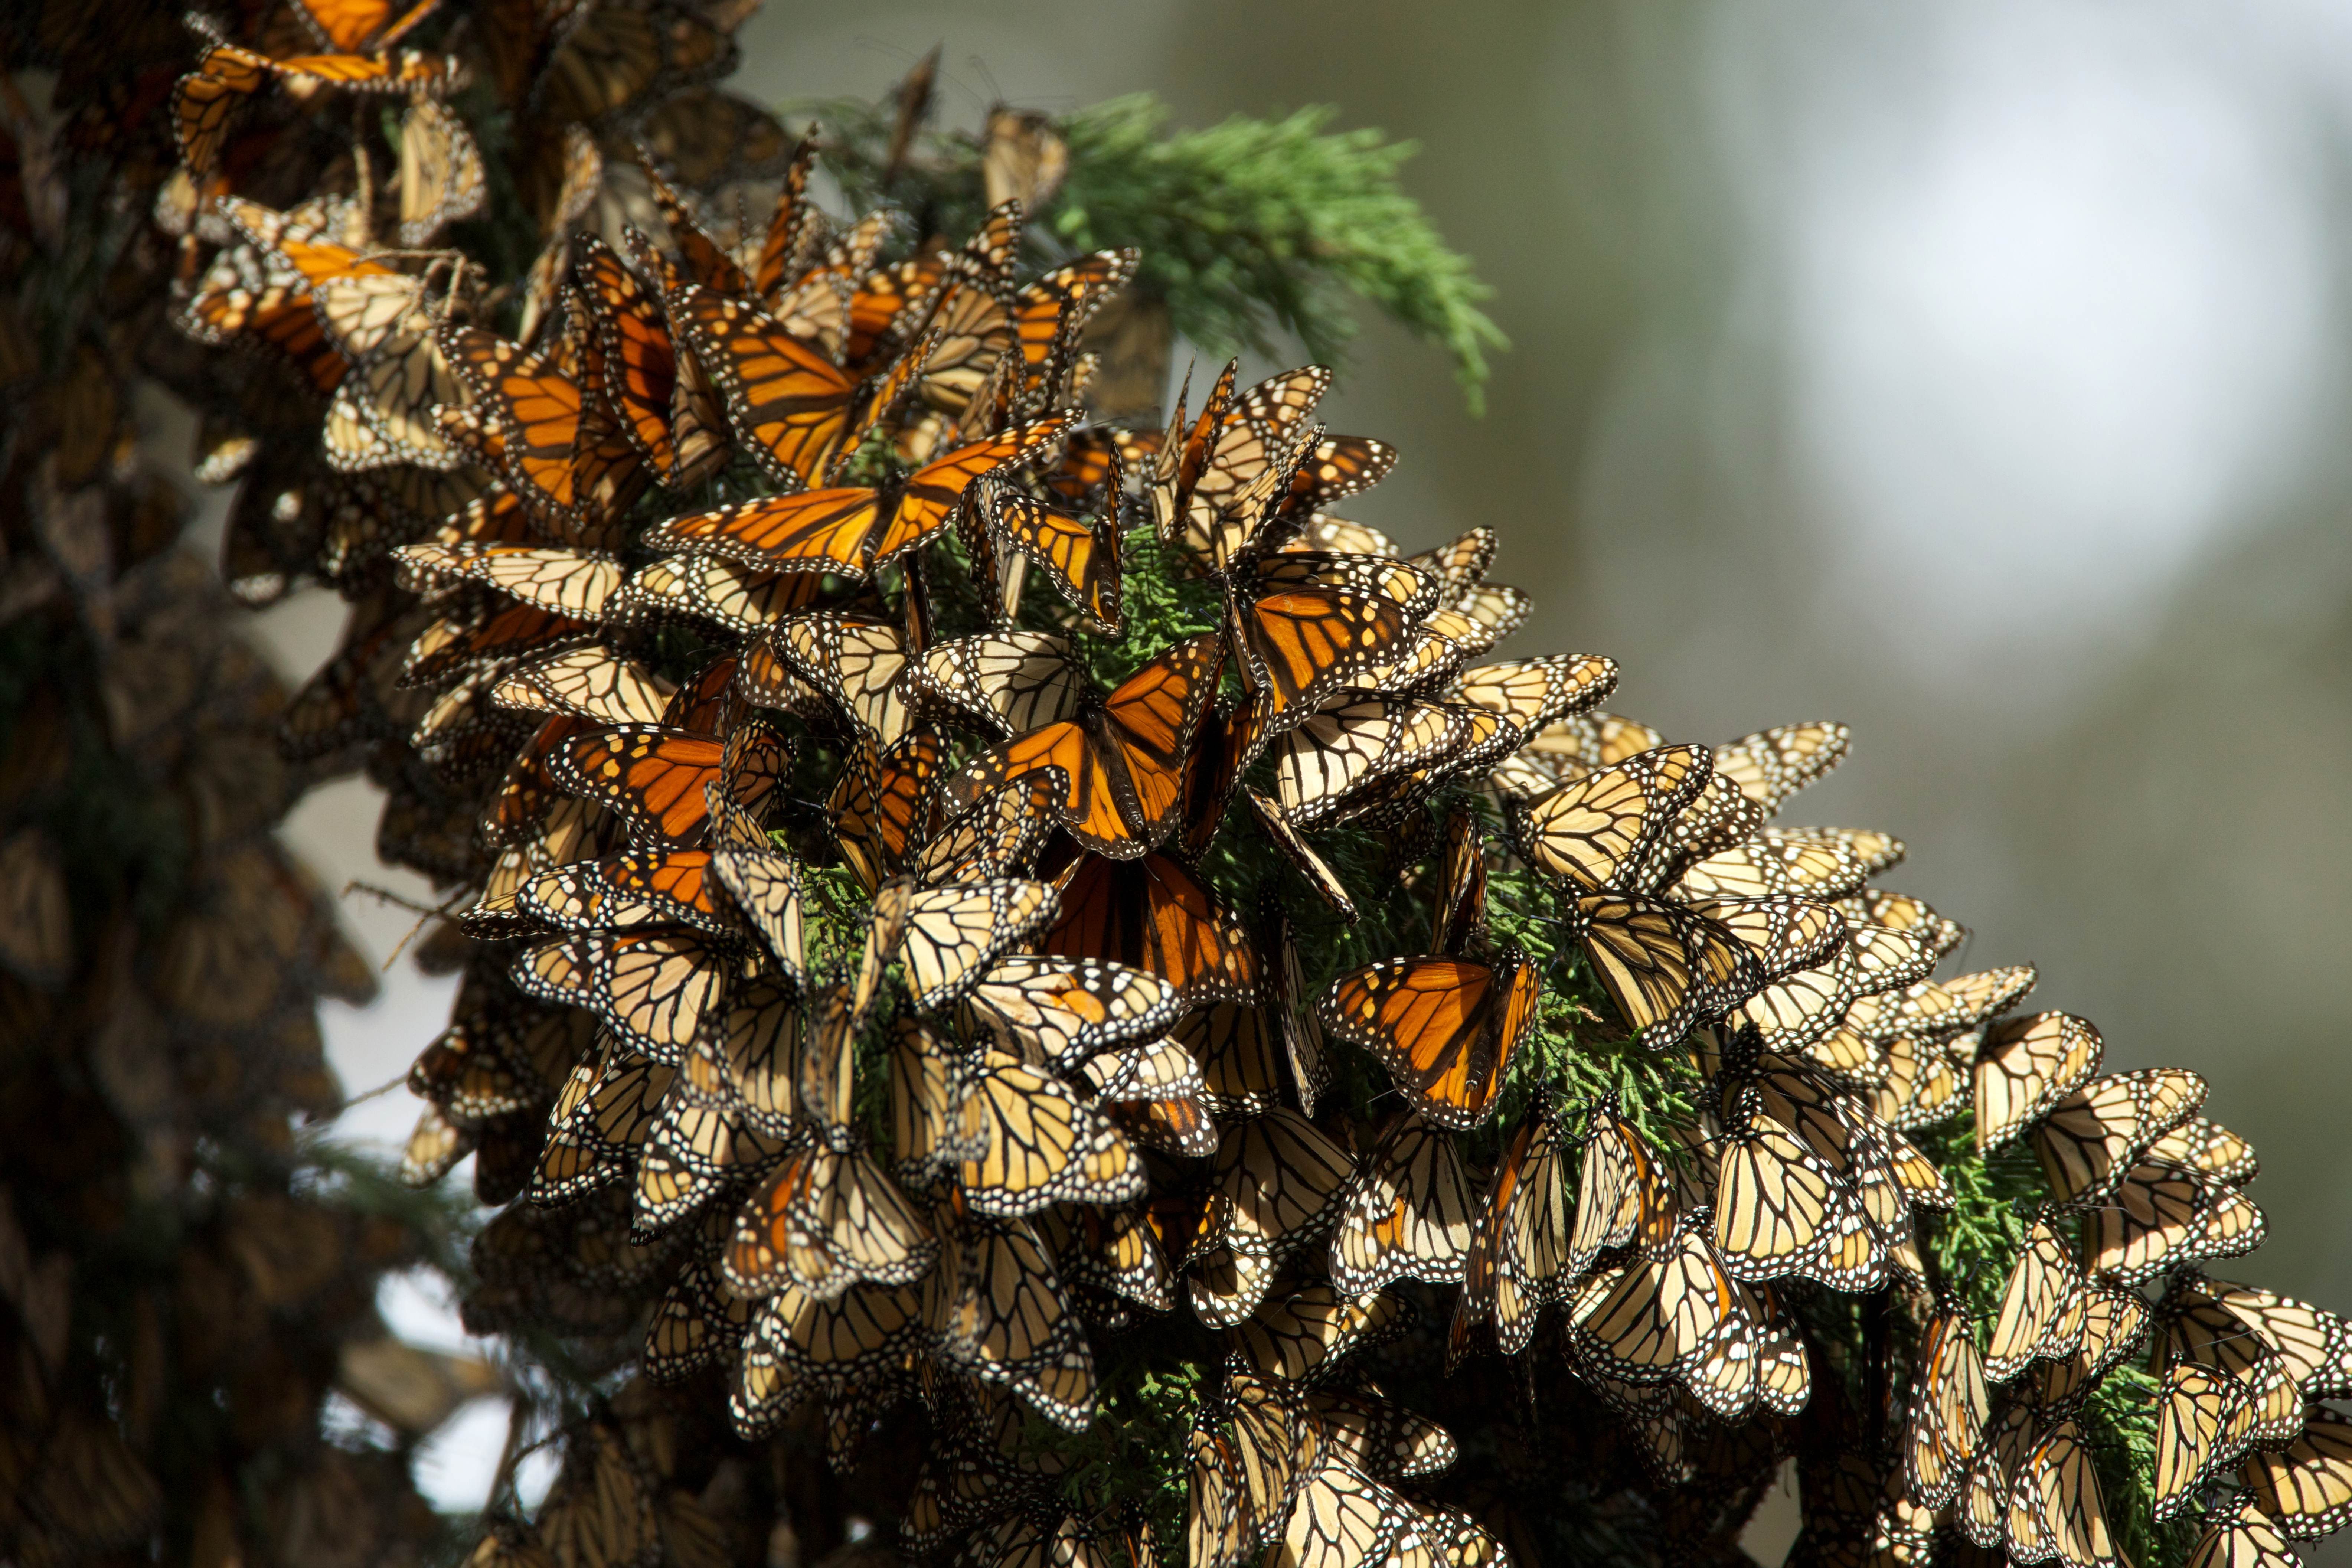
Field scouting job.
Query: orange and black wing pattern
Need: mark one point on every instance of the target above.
(789, 404)
(877, 807)
(1447, 1028)
(1298, 646)
(1150, 721)
(532, 405)
(815, 531)
(1153, 914)
(1123, 759)
(934, 491)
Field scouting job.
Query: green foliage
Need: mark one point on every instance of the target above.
(1248, 229)
(1254, 219)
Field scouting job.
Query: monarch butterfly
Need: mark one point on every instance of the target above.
(1784, 933)
(1154, 915)
(1531, 693)
(1773, 765)
(356, 25)
(2305, 1489)
(1060, 1011)
(2315, 1345)
(1500, 610)
(534, 408)
(1079, 555)
(787, 402)
(857, 664)
(1321, 530)
(2158, 1215)
(2087, 1140)
(1248, 439)
(2243, 1539)
(1295, 647)
(1947, 1411)
(755, 1038)
(829, 1220)
(1235, 1045)
(602, 1115)
(1276, 1186)
(1774, 861)
(1782, 1209)
(1674, 1314)
(1379, 1437)
(1301, 855)
(601, 1508)
(592, 682)
(1060, 304)
(1219, 1528)
(712, 589)
(1003, 1315)
(696, 1324)
(1183, 456)
(1601, 830)
(1982, 1511)
(698, 1145)
(875, 804)
(797, 227)
(1224, 1287)
(2209, 1149)
(997, 836)
(1519, 1260)
(1344, 1517)
(655, 777)
(949, 937)
(1446, 1028)
(831, 1342)
(1333, 755)
(2204, 1421)
(2042, 1306)
(703, 259)
(1309, 1329)
(1666, 968)
(659, 887)
(441, 177)
(2054, 1509)
(1409, 1212)
(571, 584)
(664, 408)
(1116, 1250)
(1015, 682)
(1033, 1143)
(1124, 753)
(851, 531)
(653, 986)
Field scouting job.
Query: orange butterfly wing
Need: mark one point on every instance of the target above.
(936, 489)
(535, 408)
(816, 530)
(1154, 717)
(787, 401)
(1092, 807)
(1434, 1023)
(1301, 646)
(204, 98)
(1154, 915)
(639, 363)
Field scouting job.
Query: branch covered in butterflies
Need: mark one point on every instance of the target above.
(1020, 978)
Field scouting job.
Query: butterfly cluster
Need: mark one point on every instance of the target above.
(1030, 981)
(184, 1290)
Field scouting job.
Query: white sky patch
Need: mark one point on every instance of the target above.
(2055, 278)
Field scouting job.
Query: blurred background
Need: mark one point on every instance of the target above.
(1974, 373)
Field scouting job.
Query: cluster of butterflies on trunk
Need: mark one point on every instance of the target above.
(856, 1001)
